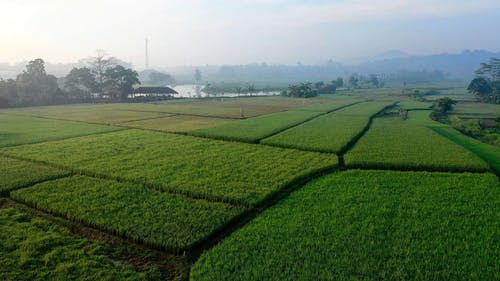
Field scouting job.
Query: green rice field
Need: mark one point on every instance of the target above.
(336, 187)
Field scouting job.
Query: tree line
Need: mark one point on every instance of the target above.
(309, 90)
(102, 79)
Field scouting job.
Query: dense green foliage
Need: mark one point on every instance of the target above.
(486, 85)
(331, 132)
(155, 218)
(399, 144)
(232, 172)
(15, 173)
(302, 90)
(34, 249)
(16, 130)
(254, 129)
(369, 225)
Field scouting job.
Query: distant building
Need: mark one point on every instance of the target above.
(156, 92)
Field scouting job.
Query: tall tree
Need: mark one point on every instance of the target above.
(197, 76)
(159, 78)
(81, 82)
(99, 65)
(8, 93)
(119, 81)
(353, 80)
(35, 87)
(486, 85)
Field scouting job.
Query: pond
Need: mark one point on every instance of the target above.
(196, 91)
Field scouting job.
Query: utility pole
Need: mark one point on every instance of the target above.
(147, 56)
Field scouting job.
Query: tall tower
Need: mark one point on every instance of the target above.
(147, 56)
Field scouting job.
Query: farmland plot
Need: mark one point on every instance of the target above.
(369, 225)
(15, 173)
(152, 217)
(256, 128)
(34, 249)
(328, 133)
(178, 123)
(393, 143)
(231, 172)
(16, 130)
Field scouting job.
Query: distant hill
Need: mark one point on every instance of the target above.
(393, 65)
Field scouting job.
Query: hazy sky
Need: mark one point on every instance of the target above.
(191, 32)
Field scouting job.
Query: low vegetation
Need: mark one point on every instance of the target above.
(151, 217)
(393, 143)
(328, 133)
(369, 225)
(231, 172)
(489, 153)
(35, 249)
(177, 123)
(254, 129)
(15, 174)
(18, 130)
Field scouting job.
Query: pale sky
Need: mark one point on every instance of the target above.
(196, 32)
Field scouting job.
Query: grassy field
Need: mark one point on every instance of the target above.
(155, 218)
(218, 107)
(328, 133)
(489, 153)
(254, 129)
(17, 130)
(92, 114)
(476, 110)
(412, 105)
(232, 172)
(369, 225)
(178, 123)
(158, 204)
(393, 143)
(35, 249)
(15, 174)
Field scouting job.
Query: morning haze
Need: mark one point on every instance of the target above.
(241, 32)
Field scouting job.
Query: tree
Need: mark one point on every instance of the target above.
(119, 81)
(480, 87)
(374, 80)
(339, 82)
(8, 93)
(197, 76)
(353, 80)
(98, 67)
(302, 90)
(159, 78)
(81, 82)
(486, 84)
(35, 87)
(444, 105)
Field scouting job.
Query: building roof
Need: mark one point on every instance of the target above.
(154, 90)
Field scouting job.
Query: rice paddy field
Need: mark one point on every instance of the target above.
(332, 132)
(337, 187)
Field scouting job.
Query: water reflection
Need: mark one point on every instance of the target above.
(196, 91)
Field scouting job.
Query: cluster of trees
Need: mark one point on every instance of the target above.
(302, 90)
(103, 78)
(309, 90)
(441, 107)
(32, 87)
(486, 84)
(358, 81)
